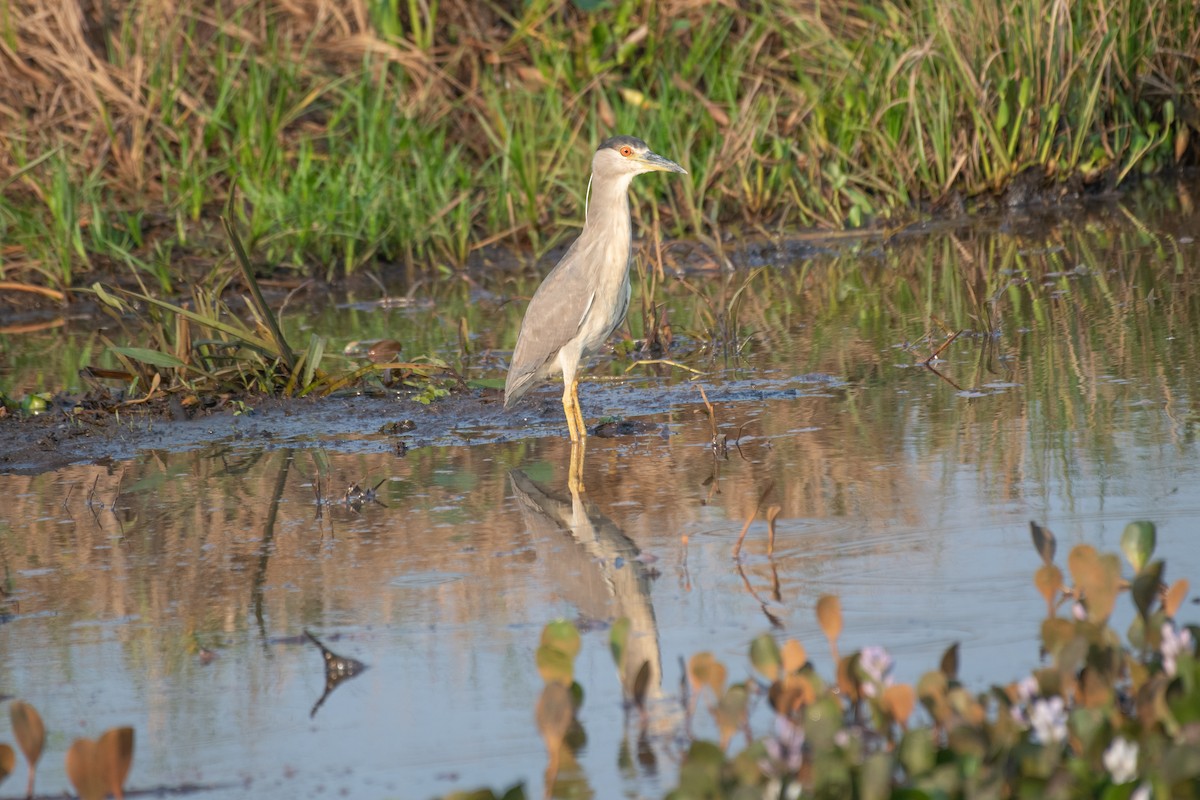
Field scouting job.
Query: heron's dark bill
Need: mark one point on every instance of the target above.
(657, 162)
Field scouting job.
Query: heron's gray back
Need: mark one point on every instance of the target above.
(583, 299)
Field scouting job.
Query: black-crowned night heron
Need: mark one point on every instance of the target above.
(583, 299)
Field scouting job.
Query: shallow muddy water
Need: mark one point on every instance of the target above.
(168, 587)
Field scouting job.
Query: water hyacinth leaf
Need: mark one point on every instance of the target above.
(1145, 587)
(875, 782)
(705, 670)
(931, 689)
(847, 677)
(85, 770)
(764, 655)
(794, 656)
(730, 712)
(1098, 577)
(918, 754)
(115, 751)
(898, 702)
(1174, 597)
(31, 734)
(829, 617)
(700, 772)
(8, 761)
(1137, 543)
(949, 663)
(618, 638)
(791, 693)
(1048, 579)
(1056, 632)
(1043, 541)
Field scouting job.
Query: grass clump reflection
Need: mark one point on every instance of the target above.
(1104, 716)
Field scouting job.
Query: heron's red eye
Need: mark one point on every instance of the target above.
(627, 151)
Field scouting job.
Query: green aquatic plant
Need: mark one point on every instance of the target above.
(1103, 717)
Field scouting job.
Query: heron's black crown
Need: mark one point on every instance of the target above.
(617, 142)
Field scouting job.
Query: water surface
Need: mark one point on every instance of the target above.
(169, 590)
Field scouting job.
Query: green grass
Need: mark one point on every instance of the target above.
(441, 128)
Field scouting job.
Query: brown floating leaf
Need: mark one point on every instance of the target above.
(705, 670)
(1174, 597)
(764, 655)
(794, 656)
(829, 616)
(1146, 588)
(31, 734)
(932, 691)
(85, 770)
(1043, 541)
(949, 665)
(899, 701)
(791, 694)
(115, 751)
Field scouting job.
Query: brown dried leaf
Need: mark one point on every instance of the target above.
(1048, 579)
(1098, 577)
(115, 751)
(949, 663)
(705, 670)
(8, 761)
(1043, 542)
(85, 771)
(30, 731)
(829, 616)
(899, 701)
(791, 693)
(1174, 597)
(794, 656)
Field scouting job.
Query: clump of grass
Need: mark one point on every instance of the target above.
(419, 132)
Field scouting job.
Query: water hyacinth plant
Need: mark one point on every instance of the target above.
(1103, 716)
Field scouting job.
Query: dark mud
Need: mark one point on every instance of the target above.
(359, 423)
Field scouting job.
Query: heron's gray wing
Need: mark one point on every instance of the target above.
(552, 319)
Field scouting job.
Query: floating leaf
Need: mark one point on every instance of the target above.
(829, 616)
(1174, 597)
(30, 732)
(1137, 543)
(949, 663)
(1043, 541)
(898, 702)
(85, 771)
(115, 751)
(8, 761)
(704, 670)
(794, 656)
(932, 691)
(764, 655)
(791, 693)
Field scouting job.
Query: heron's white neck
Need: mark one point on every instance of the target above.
(607, 202)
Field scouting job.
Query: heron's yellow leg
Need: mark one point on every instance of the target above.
(575, 473)
(569, 400)
(580, 425)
